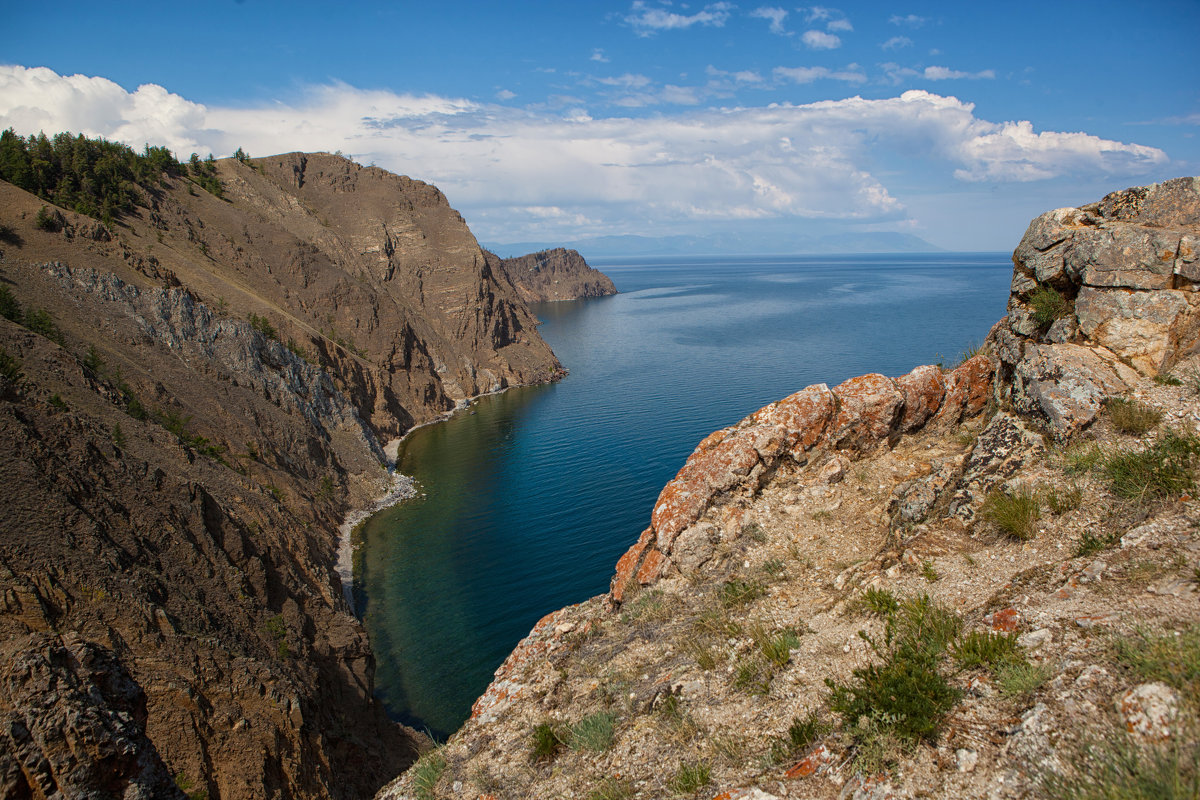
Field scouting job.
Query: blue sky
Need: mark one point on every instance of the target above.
(547, 121)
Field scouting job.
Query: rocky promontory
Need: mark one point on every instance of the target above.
(977, 581)
(557, 274)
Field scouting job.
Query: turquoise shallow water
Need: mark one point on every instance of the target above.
(531, 496)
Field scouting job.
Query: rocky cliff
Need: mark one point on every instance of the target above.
(973, 582)
(191, 400)
(557, 274)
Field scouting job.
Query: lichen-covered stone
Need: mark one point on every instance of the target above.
(1141, 327)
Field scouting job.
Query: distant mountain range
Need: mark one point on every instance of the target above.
(727, 244)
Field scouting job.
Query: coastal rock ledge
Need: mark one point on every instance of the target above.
(744, 631)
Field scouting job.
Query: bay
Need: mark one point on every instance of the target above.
(528, 499)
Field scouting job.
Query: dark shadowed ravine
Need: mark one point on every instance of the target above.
(529, 498)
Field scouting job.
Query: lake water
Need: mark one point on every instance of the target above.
(530, 497)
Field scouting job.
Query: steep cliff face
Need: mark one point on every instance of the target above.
(897, 587)
(557, 274)
(190, 402)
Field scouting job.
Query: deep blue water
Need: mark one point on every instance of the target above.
(530, 498)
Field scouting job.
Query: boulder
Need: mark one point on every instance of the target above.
(1141, 327)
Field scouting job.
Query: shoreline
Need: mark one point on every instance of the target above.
(402, 487)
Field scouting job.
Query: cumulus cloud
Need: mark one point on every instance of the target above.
(896, 42)
(647, 21)
(518, 173)
(842, 25)
(908, 20)
(820, 40)
(775, 15)
(505, 94)
(598, 55)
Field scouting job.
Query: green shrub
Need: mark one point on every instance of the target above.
(1167, 379)
(1162, 470)
(1173, 657)
(10, 308)
(427, 772)
(773, 568)
(118, 436)
(263, 326)
(545, 742)
(41, 323)
(736, 592)
(1092, 543)
(47, 220)
(928, 572)
(1013, 514)
(10, 366)
(804, 731)
(691, 777)
(1048, 305)
(594, 732)
(1019, 678)
(276, 628)
(700, 651)
(1129, 416)
(753, 675)
(92, 361)
(903, 696)
(987, 649)
(878, 602)
(776, 646)
(921, 623)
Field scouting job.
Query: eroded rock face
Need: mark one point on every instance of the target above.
(859, 415)
(1121, 277)
(72, 719)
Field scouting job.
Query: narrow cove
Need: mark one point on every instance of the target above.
(527, 500)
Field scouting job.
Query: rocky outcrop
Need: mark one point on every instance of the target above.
(1100, 294)
(557, 274)
(856, 416)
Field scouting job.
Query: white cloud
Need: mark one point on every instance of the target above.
(852, 74)
(819, 40)
(505, 94)
(908, 20)
(896, 42)
(628, 80)
(598, 55)
(842, 25)
(817, 13)
(39, 99)
(646, 21)
(741, 76)
(945, 73)
(775, 15)
(516, 173)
